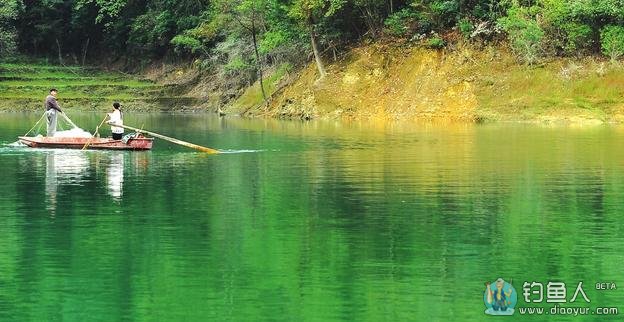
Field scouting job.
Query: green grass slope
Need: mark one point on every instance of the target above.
(25, 86)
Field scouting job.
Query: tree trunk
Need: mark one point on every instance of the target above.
(258, 61)
(60, 56)
(371, 22)
(317, 54)
(84, 51)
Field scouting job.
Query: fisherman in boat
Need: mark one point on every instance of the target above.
(52, 108)
(116, 118)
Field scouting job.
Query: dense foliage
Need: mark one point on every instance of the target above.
(9, 10)
(244, 37)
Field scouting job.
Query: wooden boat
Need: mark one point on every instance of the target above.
(136, 143)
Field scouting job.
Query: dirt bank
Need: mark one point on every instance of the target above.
(390, 81)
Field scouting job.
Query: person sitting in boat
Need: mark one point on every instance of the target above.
(116, 118)
(52, 108)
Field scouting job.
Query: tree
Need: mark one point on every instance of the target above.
(249, 16)
(525, 34)
(8, 13)
(612, 41)
(107, 9)
(372, 12)
(310, 13)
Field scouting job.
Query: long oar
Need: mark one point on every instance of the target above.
(94, 133)
(172, 140)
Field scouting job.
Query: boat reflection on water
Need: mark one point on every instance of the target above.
(115, 175)
(63, 167)
(105, 169)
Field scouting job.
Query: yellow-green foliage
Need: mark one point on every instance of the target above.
(253, 94)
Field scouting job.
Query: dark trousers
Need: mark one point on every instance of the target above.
(117, 136)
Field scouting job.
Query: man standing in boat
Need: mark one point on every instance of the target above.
(52, 108)
(116, 118)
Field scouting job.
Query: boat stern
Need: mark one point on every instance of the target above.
(27, 141)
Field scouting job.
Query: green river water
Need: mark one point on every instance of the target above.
(309, 221)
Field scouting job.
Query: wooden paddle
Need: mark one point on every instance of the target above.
(172, 140)
(94, 133)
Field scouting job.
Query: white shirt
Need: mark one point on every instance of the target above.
(115, 118)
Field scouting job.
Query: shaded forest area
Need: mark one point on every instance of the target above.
(241, 40)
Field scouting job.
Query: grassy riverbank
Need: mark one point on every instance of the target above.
(380, 81)
(23, 86)
(464, 84)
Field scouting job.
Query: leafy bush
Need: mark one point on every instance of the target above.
(525, 34)
(237, 64)
(185, 43)
(466, 28)
(7, 42)
(444, 12)
(436, 43)
(406, 22)
(151, 33)
(274, 39)
(612, 41)
(577, 37)
(8, 12)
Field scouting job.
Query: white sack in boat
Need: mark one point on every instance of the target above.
(73, 133)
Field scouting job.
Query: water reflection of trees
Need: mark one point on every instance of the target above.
(456, 205)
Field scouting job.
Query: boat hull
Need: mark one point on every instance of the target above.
(139, 143)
